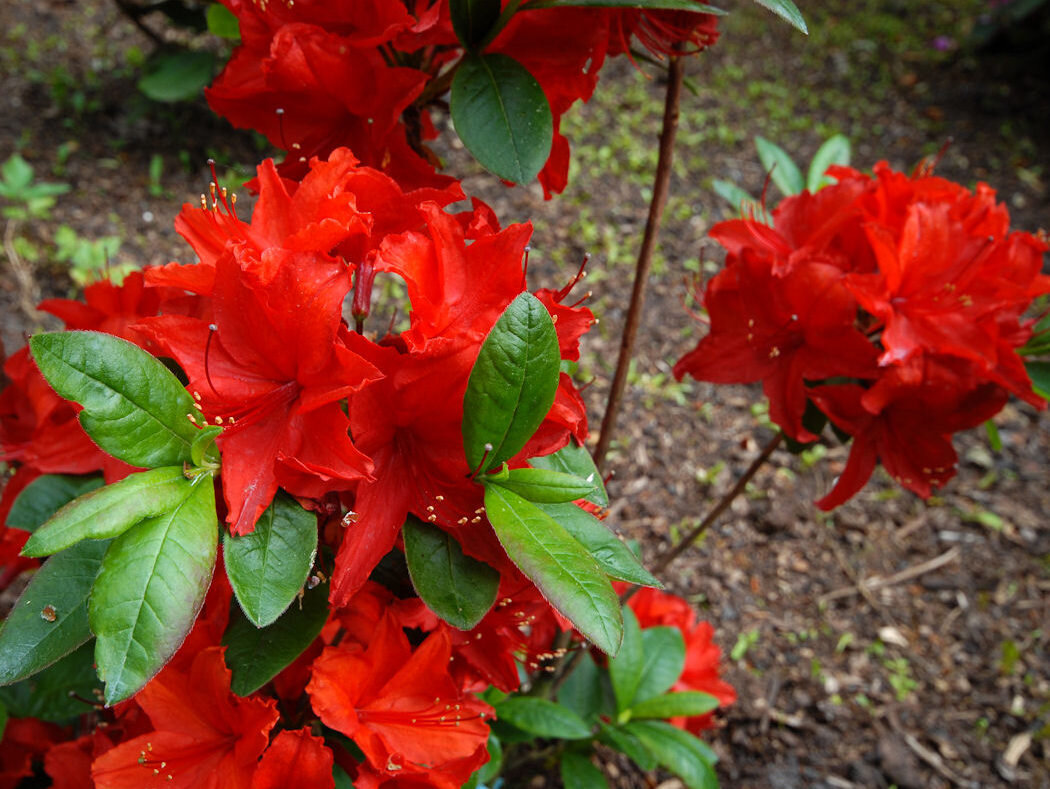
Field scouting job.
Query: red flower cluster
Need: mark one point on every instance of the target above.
(892, 303)
(315, 75)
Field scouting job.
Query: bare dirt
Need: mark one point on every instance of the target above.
(893, 642)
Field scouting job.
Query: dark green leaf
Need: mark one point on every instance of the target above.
(674, 5)
(502, 116)
(342, 780)
(256, 655)
(583, 691)
(664, 651)
(110, 511)
(268, 567)
(491, 768)
(3, 719)
(1039, 372)
(626, 743)
(30, 641)
(177, 75)
(787, 11)
(575, 459)
(781, 168)
(560, 567)
(472, 19)
(835, 150)
(134, 408)
(625, 669)
(456, 587)
(686, 704)
(543, 718)
(612, 555)
(52, 694)
(577, 772)
(542, 486)
(151, 586)
(45, 495)
(512, 385)
(678, 751)
(222, 22)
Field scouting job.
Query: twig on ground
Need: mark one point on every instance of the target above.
(867, 585)
(930, 757)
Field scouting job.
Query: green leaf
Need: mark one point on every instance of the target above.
(625, 669)
(781, 168)
(473, 19)
(674, 5)
(456, 587)
(177, 75)
(512, 384)
(257, 655)
(52, 694)
(742, 201)
(686, 703)
(30, 641)
(134, 408)
(678, 751)
(222, 22)
(560, 567)
(577, 772)
(583, 691)
(664, 651)
(110, 511)
(540, 485)
(342, 779)
(203, 450)
(3, 719)
(501, 114)
(490, 770)
(45, 495)
(151, 586)
(1039, 372)
(835, 150)
(268, 567)
(787, 11)
(612, 555)
(543, 718)
(626, 743)
(575, 459)
(17, 174)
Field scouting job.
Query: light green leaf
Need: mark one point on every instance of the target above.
(177, 75)
(501, 114)
(543, 718)
(456, 587)
(742, 201)
(835, 150)
(560, 567)
(152, 584)
(110, 511)
(787, 11)
(664, 651)
(625, 669)
(686, 703)
(222, 22)
(575, 459)
(577, 772)
(45, 495)
(780, 166)
(540, 485)
(134, 408)
(268, 567)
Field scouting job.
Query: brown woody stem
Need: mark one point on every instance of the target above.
(661, 183)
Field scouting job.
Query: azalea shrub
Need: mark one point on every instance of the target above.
(266, 535)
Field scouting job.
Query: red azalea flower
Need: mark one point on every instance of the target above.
(401, 707)
(25, 740)
(295, 760)
(662, 32)
(204, 737)
(107, 307)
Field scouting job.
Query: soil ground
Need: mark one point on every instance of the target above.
(893, 642)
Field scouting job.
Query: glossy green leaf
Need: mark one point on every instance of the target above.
(473, 19)
(679, 751)
(780, 166)
(787, 11)
(268, 567)
(575, 459)
(491, 769)
(29, 640)
(62, 691)
(663, 649)
(626, 743)
(674, 5)
(222, 22)
(177, 75)
(541, 486)
(110, 511)
(203, 450)
(257, 655)
(835, 150)
(612, 555)
(456, 587)
(583, 691)
(151, 586)
(742, 201)
(685, 703)
(543, 718)
(577, 772)
(45, 495)
(561, 568)
(501, 114)
(512, 384)
(1039, 372)
(134, 407)
(625, 669)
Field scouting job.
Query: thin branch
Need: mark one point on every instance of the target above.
(661, 184)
